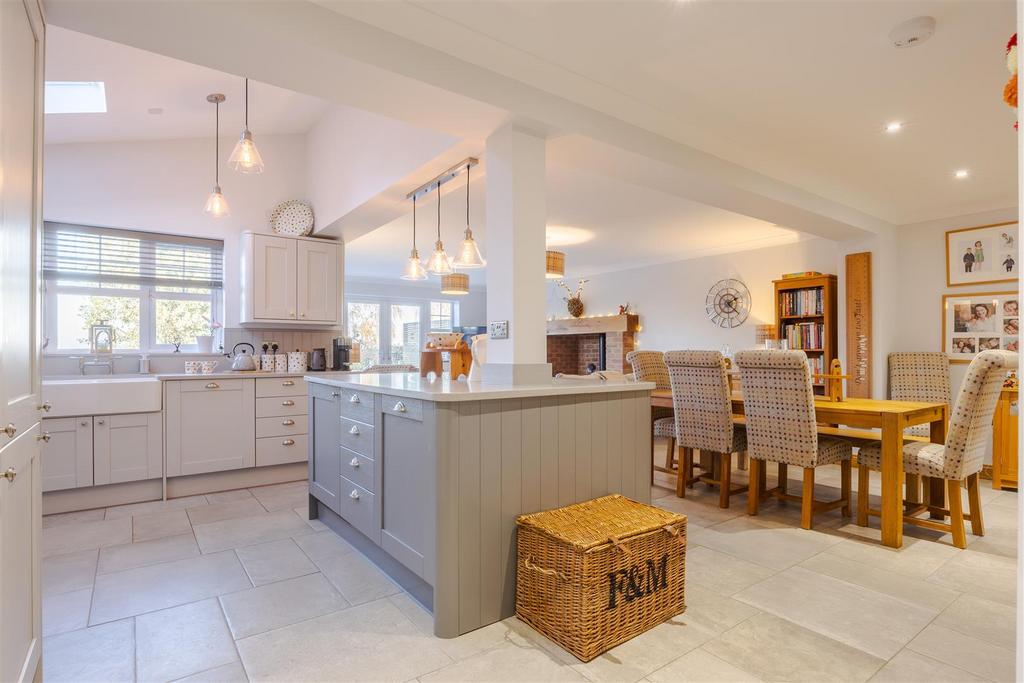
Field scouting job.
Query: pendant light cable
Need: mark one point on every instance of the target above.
(216, 147)
(439, 212)
(467, 196)
(414, 221)
(247, 104)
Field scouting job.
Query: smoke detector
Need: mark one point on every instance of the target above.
(912, 32)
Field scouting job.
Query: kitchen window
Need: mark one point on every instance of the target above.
(155, 290)
(390, 331)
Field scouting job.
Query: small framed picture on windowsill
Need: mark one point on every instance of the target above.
(976, 322)
(982, 255)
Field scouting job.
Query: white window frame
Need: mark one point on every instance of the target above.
(384, 317)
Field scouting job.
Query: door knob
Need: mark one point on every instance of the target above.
(10, 430)
(45, 436)
(100, 422)
(354, 495)
(353, 399)
(354, 431)
(45, 406)
(355, 463)
(11, 473)
(85, 423)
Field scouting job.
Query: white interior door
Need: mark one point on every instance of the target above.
(274, 278)
(21, 80)
(318, 281)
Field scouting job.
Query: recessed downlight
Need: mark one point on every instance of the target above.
(894, 127)
(961, 173)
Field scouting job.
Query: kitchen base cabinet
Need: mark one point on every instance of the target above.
(67, 457)
(211, 425)
(325, 445)
(407, 465)
(127, 448)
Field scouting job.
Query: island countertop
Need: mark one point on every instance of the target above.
(411, 385)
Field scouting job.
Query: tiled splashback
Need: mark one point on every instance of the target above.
(287, 340)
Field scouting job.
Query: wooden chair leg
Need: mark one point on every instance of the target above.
(974, 503)
(845, 474)
(762, 479)
(807, 501)
(913, 488)
(754, 491)
(670, 453)
(863, 479)
(726, 479)
(685, 470)
(956, 513)
(741, 460)
(783, 477)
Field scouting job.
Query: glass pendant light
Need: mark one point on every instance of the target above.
(440, 263)
(245, 158)
(413, 267)
(216, 205)
(469, 253)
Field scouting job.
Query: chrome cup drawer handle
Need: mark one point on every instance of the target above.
(288, 442)
(400, 407)
(287, 403)
(354, 462)
(353, 398)
(287, 423)
(354, 495)
(288, 383)
(212, 385)
(354, 431)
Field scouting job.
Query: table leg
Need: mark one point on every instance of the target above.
(892, 480)
(936, 485)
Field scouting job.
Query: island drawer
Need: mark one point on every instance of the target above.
(357, 405)
(281, 426)
(357, 436)
(278, 450)
(357, 468)
(280, 386)
(410, 408)
(280, 406)
(357, 506)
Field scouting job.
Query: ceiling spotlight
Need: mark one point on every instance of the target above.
(961, 174)
(893, 127)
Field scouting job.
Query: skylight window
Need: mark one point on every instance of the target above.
(75, 97)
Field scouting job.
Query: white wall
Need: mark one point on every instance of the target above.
(472, 306)
(161, 186)
(670, 297)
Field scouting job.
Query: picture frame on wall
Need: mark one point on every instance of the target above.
(975, 322)
(982, 255)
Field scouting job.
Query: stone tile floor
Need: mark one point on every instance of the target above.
(240, 586)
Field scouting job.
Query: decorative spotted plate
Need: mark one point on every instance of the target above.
(292, 218)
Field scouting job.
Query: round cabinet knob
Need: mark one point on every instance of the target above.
(10, 430)
(400, 407)
(288, 442)
(85, 423)
(101, 422)
(45, 436)
(335, 394)
(45, 406)
(354, 495)
(11, 473)
(353, 398)
(354, 431)
(354, 462)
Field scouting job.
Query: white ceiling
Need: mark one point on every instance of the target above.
(796, 90)
(603, 224)
(137, 80)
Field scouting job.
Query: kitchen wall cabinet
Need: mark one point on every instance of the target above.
(127, 448)
(67, 456)
(211, 425)
(290, 280)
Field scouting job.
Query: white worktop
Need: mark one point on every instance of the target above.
(411, 385)
(225, 374)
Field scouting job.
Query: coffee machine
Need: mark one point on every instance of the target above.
(341, 347)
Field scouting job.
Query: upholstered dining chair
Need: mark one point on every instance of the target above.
(919, 376)
(778, 402)
(703, 419)
(649, 366)
(958, 461)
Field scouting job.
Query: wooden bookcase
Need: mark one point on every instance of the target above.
(826, 317)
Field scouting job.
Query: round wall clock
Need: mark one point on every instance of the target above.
(728, 303)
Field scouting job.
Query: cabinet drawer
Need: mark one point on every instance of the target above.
(281, 426)
(280, 386)
(190, 385)
(357, 436)
(280, 406)
(277, 450)
(357, 405)
(358, 469)
(357, 507)
(410, 408)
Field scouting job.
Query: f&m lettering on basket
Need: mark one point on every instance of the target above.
(636, 582)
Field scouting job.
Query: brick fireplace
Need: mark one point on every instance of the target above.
(574, 343)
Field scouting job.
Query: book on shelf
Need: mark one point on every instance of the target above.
(817, 364)
(809, 336)
(802, 302)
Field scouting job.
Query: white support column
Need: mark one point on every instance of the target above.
(516, 219)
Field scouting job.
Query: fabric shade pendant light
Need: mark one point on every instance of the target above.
(455, 283)
(469, 253)
(554, 265)
(440, 263)
(413, 267)
(216, 205)
(245, 158)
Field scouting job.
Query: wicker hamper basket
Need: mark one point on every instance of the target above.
(595, 574)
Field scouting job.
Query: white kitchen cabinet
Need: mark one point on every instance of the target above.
(290, 280)
(211, 425)
(126, 447)
(67, 456)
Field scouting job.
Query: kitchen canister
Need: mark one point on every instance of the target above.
(298, 361)
(280, 362)
(208, 366)
(267, 362)
(193, 367)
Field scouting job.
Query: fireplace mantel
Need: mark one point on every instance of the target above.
(598, 324)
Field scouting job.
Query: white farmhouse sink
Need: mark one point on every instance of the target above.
(106, 395)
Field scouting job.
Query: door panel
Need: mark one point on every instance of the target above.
(127, 447)
(317, 281)
(67, 457)
(274, 277)
(211, 426)
(325, 450)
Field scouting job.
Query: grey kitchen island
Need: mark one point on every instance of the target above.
(426, 478)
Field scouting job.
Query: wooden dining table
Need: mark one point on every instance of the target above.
(892, 418)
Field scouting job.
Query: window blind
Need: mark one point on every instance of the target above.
(114, 256)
